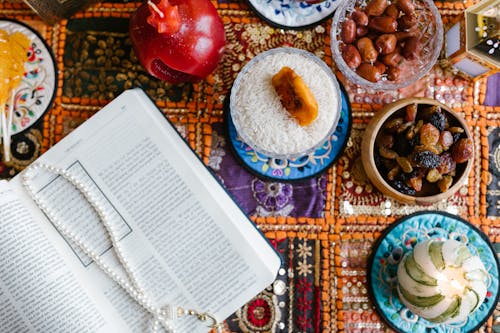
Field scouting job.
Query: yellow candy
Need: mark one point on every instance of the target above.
(13, 51)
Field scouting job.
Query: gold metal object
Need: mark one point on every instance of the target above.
(52, 11)
(472, 45)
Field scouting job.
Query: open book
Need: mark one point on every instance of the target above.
(185, 238)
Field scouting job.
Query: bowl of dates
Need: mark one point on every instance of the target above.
(386, 44)
(417, 150)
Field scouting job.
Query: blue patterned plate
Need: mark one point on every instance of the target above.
(289, 14)
(300, 168)
(400, 238)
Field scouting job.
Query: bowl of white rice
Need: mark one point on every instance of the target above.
(259, 117)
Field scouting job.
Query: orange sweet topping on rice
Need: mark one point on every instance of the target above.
(295, 96)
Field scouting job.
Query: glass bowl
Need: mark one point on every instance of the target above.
(429, 26)
(253, 95)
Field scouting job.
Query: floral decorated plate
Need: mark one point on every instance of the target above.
(290, 14)
(400, 238)
(299, 168)
(36, 92)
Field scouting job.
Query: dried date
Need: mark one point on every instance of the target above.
(368, 72)
(406, 22)
(392, 11)
(351, 56)
(376, 7)
(393, 73)
(406, 6)
(411, 50)
(393, 59)
(383, 24)
(386, 43)
(360, 18)
(367, 50)
(348, 33)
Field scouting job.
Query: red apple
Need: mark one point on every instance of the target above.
(178, 40)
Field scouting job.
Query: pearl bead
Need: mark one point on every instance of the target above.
(161, 316)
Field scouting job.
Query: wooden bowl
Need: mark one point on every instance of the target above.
(368, 158)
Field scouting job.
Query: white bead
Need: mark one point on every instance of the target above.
(132, 287)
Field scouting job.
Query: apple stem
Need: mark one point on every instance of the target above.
(156, 9)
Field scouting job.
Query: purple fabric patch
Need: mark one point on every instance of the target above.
(493, 90)
(261, 197)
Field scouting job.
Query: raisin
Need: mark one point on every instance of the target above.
(457, 133)
(402, 145)
(402, 187)
(436, 149)
(394, 172)
(438, 119)
(379, 162)
(418, 150)
(393, 124)
(404, 127)
(426, 159)
(385, 140)
(416, 173)
(447, 164)
(427, 112)
(411, 112)
(462, 150)
(429, 135)
(446, 139)
(405, 164)
(387, 153)
(445, 183)
(415, 141)
(416, 183)
(456, 137)
(433, 176)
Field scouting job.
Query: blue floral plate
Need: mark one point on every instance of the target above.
(400, 238)
(299, 168)
(293, 14)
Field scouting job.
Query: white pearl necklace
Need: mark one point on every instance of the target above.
(163, 315)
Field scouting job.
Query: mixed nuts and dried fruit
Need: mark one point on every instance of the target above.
(378, 38)
(421, 149)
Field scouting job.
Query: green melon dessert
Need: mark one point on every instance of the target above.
(442, 281)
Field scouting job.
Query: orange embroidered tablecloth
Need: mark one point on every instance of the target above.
(324, 226)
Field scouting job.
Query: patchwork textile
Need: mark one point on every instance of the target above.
(324, 226)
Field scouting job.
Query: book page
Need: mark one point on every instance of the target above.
(38, 293)
(188, 242)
